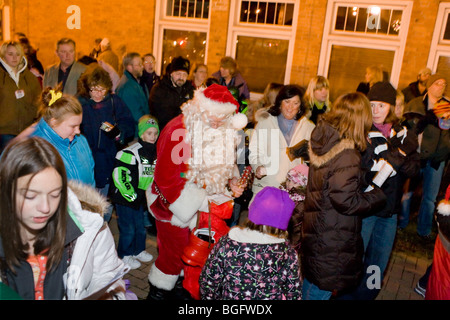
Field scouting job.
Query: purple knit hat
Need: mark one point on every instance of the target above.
(271, 207)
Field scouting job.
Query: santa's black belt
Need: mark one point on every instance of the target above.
(160, 194)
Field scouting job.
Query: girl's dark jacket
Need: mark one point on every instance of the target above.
(332, 247)
(400, 151)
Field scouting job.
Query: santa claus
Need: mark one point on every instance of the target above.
(196, 161)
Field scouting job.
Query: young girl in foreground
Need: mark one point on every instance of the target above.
(255, 262)
(53, 242)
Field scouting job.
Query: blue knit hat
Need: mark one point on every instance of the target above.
(271, 207)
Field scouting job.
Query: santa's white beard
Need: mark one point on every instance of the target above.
(212, 158)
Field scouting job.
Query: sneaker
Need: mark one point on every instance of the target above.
(420, 290)
(131, 262)
(144, 256)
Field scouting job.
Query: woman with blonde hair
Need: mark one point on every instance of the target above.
(19, 92)
(332, 246)
(317, 97)
(373, 75)
(61, 116)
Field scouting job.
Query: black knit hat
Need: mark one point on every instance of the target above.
(180, 63)
(383, 91)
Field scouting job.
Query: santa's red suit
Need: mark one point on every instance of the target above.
(174, 200)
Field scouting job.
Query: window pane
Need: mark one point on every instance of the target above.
(262, 12)
(190, 45)
(351, 19)
(348, 67)
(271, 13)
(252, 12)
(244, 11)
(444, 69)
(396, 20)
(340, 18)
(447, 29)
(289, 14)
(362, 20)
(250, 51)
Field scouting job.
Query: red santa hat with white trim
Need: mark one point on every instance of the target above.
(218, 100)
(444, 205)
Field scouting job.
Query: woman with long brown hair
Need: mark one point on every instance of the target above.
(332, 246)
(50, 232)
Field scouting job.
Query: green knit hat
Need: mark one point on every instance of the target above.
(146, 122)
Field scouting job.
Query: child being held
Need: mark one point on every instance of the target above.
(295, 185)
(132, 175)
(255, 262)
(438, 286)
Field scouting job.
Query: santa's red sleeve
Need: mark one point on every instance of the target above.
(171, 198)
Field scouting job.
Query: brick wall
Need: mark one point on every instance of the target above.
(125, 23)
(131, 25)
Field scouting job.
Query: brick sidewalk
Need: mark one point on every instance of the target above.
(403, 272)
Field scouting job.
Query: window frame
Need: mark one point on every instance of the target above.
(439, 46)
(365, 40)
(256, 30)
(163, 22)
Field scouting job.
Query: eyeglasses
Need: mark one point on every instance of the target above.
(97, 89)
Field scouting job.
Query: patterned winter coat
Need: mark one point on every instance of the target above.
(249, 265)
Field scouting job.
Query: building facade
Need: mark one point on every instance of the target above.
(287, 41)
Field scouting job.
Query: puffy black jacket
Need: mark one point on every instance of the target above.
(332, 247)
(166, 100)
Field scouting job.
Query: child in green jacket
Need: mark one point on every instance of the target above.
(132, 175)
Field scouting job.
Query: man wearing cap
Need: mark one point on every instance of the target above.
(196, 155)
(171, 92)
(434, 138)
(108, 55)
(417, 88)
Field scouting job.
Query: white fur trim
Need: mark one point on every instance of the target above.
(213, 106)
(444, 208)
(161, 280)
(239, 121)
(187, 205)
(245, 235)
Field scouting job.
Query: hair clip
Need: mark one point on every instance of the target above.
(55, 96)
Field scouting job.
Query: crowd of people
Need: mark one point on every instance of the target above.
(292, 196)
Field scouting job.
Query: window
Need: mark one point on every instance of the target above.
(368, 19)
(250, 24)
(359, 35)
(188, 8)
(188, 44)
(251, 51)
(181, 28)
(439, 57)
(267, 12)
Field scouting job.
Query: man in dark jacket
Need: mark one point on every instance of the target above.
(417, 88)
(171, 92)
(434, 149)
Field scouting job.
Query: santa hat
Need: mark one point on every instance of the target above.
(218, 100)
(443, 207)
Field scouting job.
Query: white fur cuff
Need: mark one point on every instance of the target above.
(187, 204)
(161, 280)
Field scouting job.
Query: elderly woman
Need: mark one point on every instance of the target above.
(106, 123)
(317, 97)
(283, 126)
(19, 92)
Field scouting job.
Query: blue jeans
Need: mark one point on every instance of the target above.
(104, 192)
(378, 236)
(430, 188)
(312, 292)
(132, 234)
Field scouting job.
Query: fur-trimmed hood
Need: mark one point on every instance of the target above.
(325, 144)
(90, 199)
